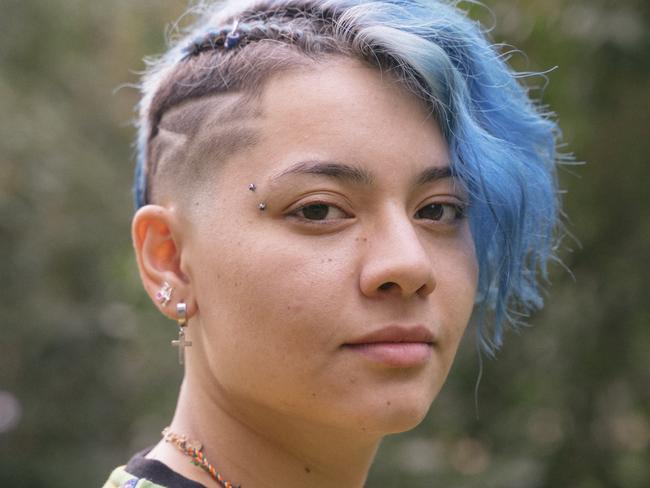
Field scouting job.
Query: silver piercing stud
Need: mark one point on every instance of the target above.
(252, 187)
(262, 207)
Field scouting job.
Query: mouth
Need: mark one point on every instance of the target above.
(395, 346)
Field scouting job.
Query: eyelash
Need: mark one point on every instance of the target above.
(459, 212)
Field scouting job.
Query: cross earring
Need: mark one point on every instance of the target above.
(181, 343)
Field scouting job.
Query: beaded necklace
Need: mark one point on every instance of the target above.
(194, 449)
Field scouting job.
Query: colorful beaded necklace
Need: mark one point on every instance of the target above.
(194, 449)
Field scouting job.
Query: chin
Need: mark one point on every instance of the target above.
(396, 411)
(402, 418)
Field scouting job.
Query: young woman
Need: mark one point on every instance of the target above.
(326, 191)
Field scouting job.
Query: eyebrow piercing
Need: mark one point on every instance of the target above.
(252, 187)
(262, 207)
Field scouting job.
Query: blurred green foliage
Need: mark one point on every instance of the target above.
(86, 377)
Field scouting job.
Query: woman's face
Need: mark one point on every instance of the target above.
(362, 244)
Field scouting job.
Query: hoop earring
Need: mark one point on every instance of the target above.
(181, 343)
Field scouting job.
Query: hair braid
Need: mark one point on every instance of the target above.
(289, 24)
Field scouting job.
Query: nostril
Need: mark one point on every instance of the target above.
(423, 290)
(388, 285)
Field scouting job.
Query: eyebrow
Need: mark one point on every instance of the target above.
(352, 174)
(333, 169)
(434, 173)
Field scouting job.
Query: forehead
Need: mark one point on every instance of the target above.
(348, 111)
(339, 83)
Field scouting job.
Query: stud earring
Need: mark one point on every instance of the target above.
(164, 295)
(262, 207)
(181, 343)
(252, 187)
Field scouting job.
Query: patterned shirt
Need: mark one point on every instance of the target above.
(141, 472)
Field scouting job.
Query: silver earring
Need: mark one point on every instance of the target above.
(164, 295)
(181, 343)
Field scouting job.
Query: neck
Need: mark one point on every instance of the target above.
(255, 448)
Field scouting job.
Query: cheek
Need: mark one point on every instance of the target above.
(263, 306)
(455, 294)
(268, 286)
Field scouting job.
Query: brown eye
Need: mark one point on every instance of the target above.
(320, 211)
(440, 212)
(317, 211)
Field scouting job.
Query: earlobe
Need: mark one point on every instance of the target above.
(156, 239)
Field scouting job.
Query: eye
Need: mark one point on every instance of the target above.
(446, 213)
(320, 211)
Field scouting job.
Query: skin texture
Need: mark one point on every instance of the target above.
(270, 389)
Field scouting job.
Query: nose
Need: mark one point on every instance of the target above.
(396, 261)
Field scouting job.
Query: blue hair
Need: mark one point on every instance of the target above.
(503, 147)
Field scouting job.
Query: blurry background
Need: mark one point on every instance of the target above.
(87, 376)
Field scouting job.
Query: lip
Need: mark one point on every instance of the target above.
(397, 333)
(395, 346)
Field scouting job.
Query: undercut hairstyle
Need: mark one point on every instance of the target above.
(202, 96)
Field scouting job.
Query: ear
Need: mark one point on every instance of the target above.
(157, 238)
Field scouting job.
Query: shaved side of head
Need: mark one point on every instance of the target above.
(196, 138)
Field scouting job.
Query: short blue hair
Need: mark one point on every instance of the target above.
(503, 146)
